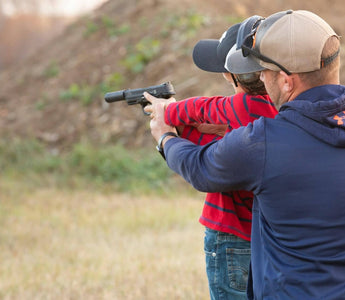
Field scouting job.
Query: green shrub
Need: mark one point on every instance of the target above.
(187, 24)
(91, 27)
(40, 105)
(71, 93)
(85, 93)
(112, 83)
(107, 166)
(141, 54)
(112, 28)
(52, 70)
(116, 165)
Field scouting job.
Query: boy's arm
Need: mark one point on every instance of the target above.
(194, 135)
(234, 111)
(197, 110)
(217, 129)
(191, 126)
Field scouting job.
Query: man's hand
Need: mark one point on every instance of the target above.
(157, 110)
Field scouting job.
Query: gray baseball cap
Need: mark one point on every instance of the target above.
(235, 62)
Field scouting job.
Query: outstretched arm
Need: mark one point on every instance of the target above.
(197, 110)
(205, 167)
(234, 111)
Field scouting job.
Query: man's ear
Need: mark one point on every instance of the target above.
(287, 82)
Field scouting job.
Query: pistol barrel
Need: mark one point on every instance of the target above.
(115, 96)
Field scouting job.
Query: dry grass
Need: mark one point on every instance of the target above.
(86, 245)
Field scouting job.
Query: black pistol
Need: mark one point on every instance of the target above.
(136, 96)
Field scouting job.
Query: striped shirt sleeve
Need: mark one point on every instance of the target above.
(235, 111)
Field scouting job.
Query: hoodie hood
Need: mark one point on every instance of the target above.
(321, 112)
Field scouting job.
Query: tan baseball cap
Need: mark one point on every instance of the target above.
(290, 40)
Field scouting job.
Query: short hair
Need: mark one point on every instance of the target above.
(326, 74)
(251, 83)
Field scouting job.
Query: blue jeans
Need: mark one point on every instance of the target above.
(227, 264)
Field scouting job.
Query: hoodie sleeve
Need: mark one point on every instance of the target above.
(235, 162)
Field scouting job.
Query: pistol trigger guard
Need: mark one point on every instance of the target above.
(143, 108)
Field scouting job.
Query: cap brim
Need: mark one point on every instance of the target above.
(205, 56)
(236, 63)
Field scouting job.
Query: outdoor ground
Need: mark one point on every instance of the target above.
(84, 245)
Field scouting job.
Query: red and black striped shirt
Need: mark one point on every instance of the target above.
(229, 212)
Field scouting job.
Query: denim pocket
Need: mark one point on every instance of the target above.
(238, 267)
(210, 241)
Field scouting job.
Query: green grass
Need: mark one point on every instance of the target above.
(104, 167)
(96, 223)
(57, 244)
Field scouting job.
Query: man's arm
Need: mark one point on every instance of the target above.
(235, 162)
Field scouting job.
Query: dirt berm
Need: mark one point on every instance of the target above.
(56, 94)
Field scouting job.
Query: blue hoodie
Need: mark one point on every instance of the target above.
(295, 166)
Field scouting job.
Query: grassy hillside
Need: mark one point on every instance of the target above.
(56, 96)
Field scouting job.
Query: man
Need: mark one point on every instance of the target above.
(226, 216)
(294, 164)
